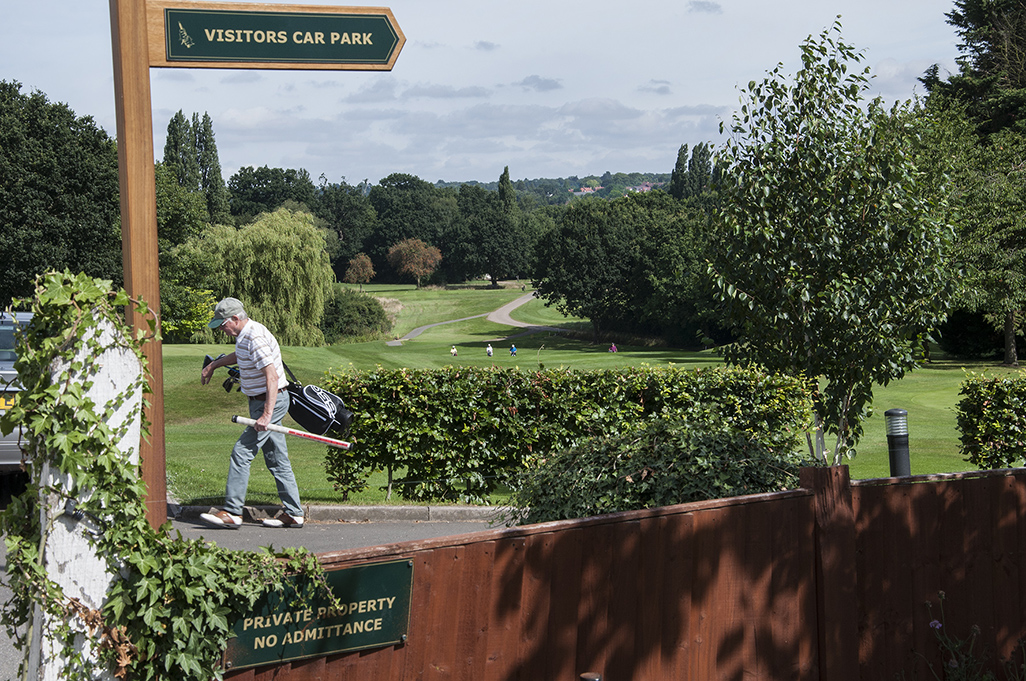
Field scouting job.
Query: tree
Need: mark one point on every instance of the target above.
(992, 241)
(584, 264)
(360, 270)
(265, 190)
(181, 214)
(990, 89)
(348, 212)
(180, 157)
(413, 258)
(834, 260)
(276, 265)
(59, 206)
(211, 180)
(991, 80)
(408, 208)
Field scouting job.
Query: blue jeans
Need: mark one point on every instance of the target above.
(276, 456)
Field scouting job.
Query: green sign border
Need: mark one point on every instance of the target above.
(364, 592)
(186, 29)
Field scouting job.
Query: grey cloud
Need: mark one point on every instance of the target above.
(446, 92)
(659, 87)
(242, 78)
(539, 84)
(486, 46)
(704, 7)
(377, 91)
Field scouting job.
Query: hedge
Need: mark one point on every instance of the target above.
(454, 434)
(992, 420)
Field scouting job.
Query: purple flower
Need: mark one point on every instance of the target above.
(935, 624)
(952, 663)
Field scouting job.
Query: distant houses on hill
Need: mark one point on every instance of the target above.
(643, 187)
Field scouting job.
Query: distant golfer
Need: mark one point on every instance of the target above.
(488, 350)
(513, 351)
(453, 352)
(262, 378)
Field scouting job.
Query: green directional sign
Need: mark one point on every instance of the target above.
(240, 37)
(370, 609)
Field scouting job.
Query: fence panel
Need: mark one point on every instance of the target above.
(751, 587)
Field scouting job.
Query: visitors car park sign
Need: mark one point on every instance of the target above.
(241, 35)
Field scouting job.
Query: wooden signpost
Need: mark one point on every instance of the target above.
(223, 35)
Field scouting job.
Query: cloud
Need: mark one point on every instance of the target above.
(446, 92)
(486, 46)
(376, 91)
(705, 7)
(539, 84)
(242, 78)
(659, 87)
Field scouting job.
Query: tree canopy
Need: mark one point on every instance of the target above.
(834, 260)
(59, 205)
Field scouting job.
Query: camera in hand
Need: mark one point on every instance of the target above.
(233, 373)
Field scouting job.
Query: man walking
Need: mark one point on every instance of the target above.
(262, 378)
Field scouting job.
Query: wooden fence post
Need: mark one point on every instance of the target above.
(837, 623)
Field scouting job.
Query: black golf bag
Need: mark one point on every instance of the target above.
(316, 410)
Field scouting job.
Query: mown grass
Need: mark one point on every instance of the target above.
(199, 433)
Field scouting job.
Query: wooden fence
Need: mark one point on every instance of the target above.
(826, 582)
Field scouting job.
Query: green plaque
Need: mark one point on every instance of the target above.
(373, 610)
(236, 36)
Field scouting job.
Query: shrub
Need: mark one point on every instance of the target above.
(665, 462)
(351, 313)
(992, 420)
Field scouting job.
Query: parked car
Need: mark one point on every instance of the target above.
(10, 449)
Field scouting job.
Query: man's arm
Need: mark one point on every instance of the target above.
(271, 378)
(208, 370)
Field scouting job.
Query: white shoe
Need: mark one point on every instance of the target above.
(283, 519)
(221, 518)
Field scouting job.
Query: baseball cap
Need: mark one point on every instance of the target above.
(229, 307)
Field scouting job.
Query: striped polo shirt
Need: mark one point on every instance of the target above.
(255, 348)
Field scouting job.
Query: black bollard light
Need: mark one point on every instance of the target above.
(896, 423)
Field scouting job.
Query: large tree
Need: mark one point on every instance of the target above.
(991, 80)
(990, 89)
(180, 157)
(264, 190)
(211, 181)
(59, 203)
(408, 208)
(415, 259)
(276, 265)
(348, 212)
(834, 254)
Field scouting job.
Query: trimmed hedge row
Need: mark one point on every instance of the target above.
(992, 420)
(453, 434)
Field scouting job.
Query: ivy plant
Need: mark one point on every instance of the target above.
(173, 602)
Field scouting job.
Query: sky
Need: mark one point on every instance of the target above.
(547, 88)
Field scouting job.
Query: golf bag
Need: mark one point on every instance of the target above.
(316, 410)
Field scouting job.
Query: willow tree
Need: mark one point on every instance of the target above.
(833, 259)
(276, 266)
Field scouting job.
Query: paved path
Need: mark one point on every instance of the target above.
(500, 316)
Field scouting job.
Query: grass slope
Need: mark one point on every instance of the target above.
(199, 433)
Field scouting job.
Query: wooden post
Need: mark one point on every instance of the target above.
(139, 221)
(835, 572)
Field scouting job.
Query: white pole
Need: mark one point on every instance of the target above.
(298, 433)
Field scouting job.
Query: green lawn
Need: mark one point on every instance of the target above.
(199, 433)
